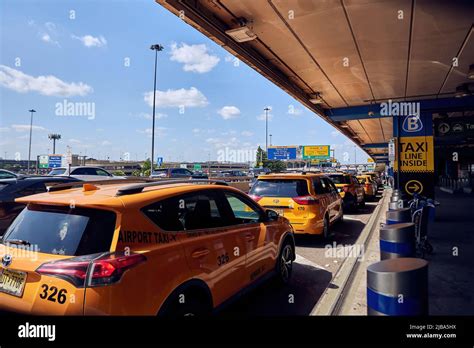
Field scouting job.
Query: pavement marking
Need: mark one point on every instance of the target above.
(304, 261)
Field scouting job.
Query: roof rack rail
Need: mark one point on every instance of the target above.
(132, 189)
(76, 184)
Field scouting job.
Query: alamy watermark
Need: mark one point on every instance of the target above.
(391, 108)
(68, 108)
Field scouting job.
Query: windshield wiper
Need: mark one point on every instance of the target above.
(18, 242)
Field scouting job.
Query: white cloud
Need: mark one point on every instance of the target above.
(246, 133)
(177, 97)
(159, 131)
(26, 127)
(294, 111)
(47, 38)
(148, 116)
(46, 85)
(91, 41)
(194, 57)
(75, 141)
(335, 133)
(229, 112)
(105, 143)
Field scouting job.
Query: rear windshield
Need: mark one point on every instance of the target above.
(340, 179)
(58, 171)
(279, 188)
(63, 231)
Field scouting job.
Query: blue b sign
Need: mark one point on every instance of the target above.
(54, 161)
(159, 161)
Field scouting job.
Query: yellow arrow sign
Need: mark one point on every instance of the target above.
(413, 186)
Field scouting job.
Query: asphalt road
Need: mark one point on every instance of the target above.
(313, 270)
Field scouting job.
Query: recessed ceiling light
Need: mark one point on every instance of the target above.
(241, 34)
(461, 91)
(315, 98)
(470, 73)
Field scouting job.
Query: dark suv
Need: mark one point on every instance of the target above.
(179, 173)
(20, 187)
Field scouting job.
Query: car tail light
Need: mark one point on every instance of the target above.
(255, 197)
(345, 188)
(93, 272)
(367, 185)
(306, 200)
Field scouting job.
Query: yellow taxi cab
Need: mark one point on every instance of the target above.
(370, 187)
(349, 189)
(309, 201)
(169, 248)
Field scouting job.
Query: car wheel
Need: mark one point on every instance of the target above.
(193, 306)
(326, 233)
(285, 264)
(341, 218)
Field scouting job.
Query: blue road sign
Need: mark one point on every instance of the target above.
(54, 161)
(282, 153)
(159, 161)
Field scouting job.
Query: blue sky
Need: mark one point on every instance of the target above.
(96, 53)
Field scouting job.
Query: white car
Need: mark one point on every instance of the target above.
(85, 173)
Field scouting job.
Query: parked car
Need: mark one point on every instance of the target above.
(140, 249)
(370, 187)
(309, 201)
(10, 189)
(6, 174)
(178, 173)
(84, 173)
(231, 173)
(349, 188)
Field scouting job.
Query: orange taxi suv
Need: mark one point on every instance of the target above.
(169, 248)
(309, 201)
(349, 188)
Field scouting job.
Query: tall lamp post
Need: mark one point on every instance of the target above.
(31, 132)
(270, 140)
(54, 137)
(155, 48)
(267, 109)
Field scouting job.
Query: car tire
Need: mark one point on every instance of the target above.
(341, 218)
(194, 306)
(284, 266)
(326, 232)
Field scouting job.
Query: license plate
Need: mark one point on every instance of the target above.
(12, 282)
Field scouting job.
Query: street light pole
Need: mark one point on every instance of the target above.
(155, 48)
(270, 140)
(267, 109)
(31, 132)
(54, 137)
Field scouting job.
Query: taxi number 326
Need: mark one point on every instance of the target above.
(221, 259)
(53, 294)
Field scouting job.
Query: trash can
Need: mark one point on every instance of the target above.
(397, 240)
(398, 287)
(397, 216)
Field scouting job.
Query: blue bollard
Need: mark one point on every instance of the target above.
(398, 287)
(397, 216)
(397, 240)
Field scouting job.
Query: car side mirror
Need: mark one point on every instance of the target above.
(271, 215)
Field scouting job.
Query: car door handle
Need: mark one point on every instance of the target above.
(200, 253)
(249, 237)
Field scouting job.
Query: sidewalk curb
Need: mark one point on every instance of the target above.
(332, 298)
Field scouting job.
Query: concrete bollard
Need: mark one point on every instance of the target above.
(397, 216)
(394, 205)
(398, 287)
(397, 240)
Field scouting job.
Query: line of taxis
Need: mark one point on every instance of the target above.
(168, 248)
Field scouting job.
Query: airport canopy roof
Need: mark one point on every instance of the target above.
(355, 54)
